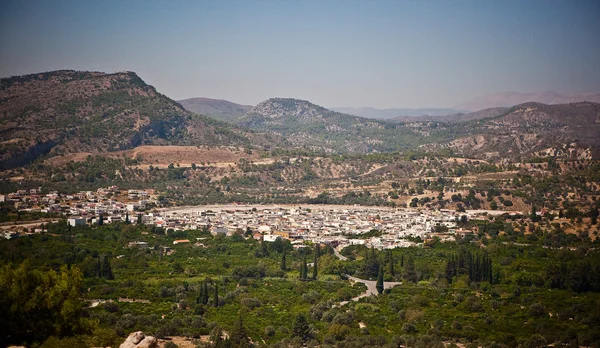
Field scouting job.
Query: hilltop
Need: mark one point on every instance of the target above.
(305, 124)
(216, 108)
(68, 111)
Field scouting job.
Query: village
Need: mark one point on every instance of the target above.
(338, 226)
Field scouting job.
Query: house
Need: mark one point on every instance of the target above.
(77, 221)
(181, 241)
(270, 237)
(139, 245)
(218, 230)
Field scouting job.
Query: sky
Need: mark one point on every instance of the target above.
(380, 54)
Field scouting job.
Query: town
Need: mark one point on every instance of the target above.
(338, 226)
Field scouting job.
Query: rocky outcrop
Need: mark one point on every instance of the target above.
(139, 340)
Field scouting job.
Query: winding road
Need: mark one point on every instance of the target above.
(371, 288)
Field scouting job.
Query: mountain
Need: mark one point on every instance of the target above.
(69, 111)
(385, 114)
(477, 115)
(530, 129)
(312, 126)
(507, 99)
(216, 108)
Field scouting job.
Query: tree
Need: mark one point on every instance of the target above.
(379, 284)
(593, 215)
(303, 269)
(283, 265)
(239, 334)
(315, 270)
(301, 328)
(216, 297)
(38, 304)
(205, 293)
(127, 218)
(100, 220)
(494, 205)
(105, 269)
(410, 273)
(391, 263)
(533, 216)
(139, 219)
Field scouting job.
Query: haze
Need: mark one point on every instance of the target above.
(334, 53)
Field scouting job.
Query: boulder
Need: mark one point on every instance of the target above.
(139, 340)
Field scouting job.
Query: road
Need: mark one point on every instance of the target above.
(340, 256)
(371, 288)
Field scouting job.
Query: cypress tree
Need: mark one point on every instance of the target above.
(303, 269)
(127, 218)
(139, 219)
(391, 263)
(283, 265)
(410, 273)
(216, 299)
(379, 284)
(205, 292)
(315, 270)
(105, 269)
(101, 220)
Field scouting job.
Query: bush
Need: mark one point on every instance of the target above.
(270, 331)
(409, 328)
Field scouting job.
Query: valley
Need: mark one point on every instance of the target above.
(247, 229)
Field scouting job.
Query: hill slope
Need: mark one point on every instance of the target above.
(71, 111)
(531, 129)
(507, 99)
(305, 124)
(216, 108)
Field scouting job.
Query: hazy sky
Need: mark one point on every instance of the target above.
(334, 53)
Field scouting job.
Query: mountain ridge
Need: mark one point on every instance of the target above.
(508, 99)
(68, 111)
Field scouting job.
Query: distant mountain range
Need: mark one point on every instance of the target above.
(216, 108)
(67, 111)
(507, 99)
(386, 114)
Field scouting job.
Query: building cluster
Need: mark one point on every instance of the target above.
(338, 226)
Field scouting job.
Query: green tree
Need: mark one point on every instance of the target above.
(100, 220)
(391, 264)
(301, 328)
(38, 304)
(303, 269)
(315, 267)
(127, 218)
(216, 296)
(106, 269)
(239, 334)
(379, 284)
(283, 265)
(410, 274)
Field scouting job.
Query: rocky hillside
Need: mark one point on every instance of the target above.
(314, 127)
(71, 111)
(531, 129)
(215, 108)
